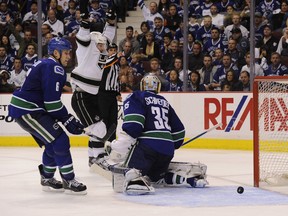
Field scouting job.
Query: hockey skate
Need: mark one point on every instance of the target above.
(136, 184)
(50, 184)
(74, 187)
(100, 160)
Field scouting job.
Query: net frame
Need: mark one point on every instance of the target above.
(260, 153)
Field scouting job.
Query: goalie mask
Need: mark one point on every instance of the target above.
(150, 83)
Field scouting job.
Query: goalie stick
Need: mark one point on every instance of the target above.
(109, 133)
(201, 134)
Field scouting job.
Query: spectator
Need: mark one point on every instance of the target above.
(194, 82)
(137, 68)
(204, 8)
(237, 57)
(48, 37)
(216, 41)
(175, 84)
(31, 17)
(132, 5)
(127, 51)
(217, 18)
(163, 8)
(18, 75)
(107, 4)
(193, 24)
(268, 44)
(73, 27)
(245, 80)
(5, 87)
(217, 58)
(204, 32)
(258, 70)
(23, 42)
(276, 68)
(156, 70)
(267, 7)
(5, 62)
(124, 66)
(226, 87)
(168, 58)
(278, 18)
(18, 30)
(178, 65)
(56, 24)
(144, 27)
(135, 46)
(121, 6)
(220, 74)
(5, 13)
(160, 30)
(45, 29)
(190, 43)
(151, 49)
(258, 26)
(11, 52)
(53, 5)
(30, 58)
(282, 48)
(166, 45)
(223, 5)
(70, 13)
(228, 16)
(195, 60)
(173, 19)
(124, 84)
(233, 80)
(236, 20)
(149, 14)
(207, 71)
(96, 13)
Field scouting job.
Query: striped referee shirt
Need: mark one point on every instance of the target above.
(110, 78)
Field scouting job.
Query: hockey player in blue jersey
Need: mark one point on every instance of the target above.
(151, 132)
(37, 108)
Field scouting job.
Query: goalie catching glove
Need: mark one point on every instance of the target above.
(118, 149)
(72, 124)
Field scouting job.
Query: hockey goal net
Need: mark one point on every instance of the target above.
(270, 134)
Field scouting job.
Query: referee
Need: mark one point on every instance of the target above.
(109, 91)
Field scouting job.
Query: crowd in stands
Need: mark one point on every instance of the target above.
(217, 49)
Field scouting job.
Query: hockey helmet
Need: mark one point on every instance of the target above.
(98, 37)
(59, 44)
(150, 83)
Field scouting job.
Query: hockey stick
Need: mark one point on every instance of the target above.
(201, 134)
(109, 133)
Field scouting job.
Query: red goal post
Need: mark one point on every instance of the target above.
(270, 133)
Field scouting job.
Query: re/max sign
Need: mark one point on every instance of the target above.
(273, 113)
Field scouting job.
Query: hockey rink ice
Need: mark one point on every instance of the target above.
(21, 194)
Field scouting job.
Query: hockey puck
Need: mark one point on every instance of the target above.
(240, 190)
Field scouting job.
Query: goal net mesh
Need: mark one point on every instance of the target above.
(273, 131)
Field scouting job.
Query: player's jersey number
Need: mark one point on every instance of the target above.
(161, 118)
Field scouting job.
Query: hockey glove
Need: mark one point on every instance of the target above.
(73, 125)
(110, 15)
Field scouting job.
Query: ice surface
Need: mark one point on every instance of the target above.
(21, 194)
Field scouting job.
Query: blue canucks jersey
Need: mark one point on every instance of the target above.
(41, 91)
(150, 118)
(278, 70)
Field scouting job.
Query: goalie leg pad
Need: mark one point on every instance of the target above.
(187, 169)
(136, 184)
